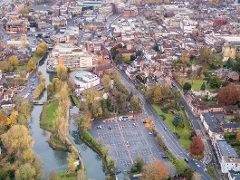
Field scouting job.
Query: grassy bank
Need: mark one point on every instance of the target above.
(212, 172)
(183, 134)
(56, 143)
(100, 149)
(48, 116)
(65, 175)
(76, 101)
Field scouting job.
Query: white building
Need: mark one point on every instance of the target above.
(226, 154)
(84, 79)
(70, 56)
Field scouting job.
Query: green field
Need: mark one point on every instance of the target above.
(184, 133)
(195, 83)
(22, 67)
(48, 116)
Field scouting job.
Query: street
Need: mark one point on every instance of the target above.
(169, 139)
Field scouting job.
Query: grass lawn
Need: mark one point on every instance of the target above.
(36, 57)
(195, 83)
(22, 67)
(212, 172)
(48, 116)
(64, 175)
(184, 133)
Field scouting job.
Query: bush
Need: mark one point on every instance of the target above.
(163, 117)
(177, 135)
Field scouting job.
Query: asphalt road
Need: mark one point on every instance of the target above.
(169, 139)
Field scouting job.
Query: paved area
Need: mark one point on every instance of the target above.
(127, 139)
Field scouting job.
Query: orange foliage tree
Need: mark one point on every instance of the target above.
(229, 95)
(154, 170)
(196, 146)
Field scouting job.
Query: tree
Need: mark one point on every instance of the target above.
(188, 173)
(118, 59)
(185, 57)
(71, 159)
(31, 65)
(17, 139)
(215, 82)
(204, 54)
(25, 172)
(3, 66)
(155, 170)
(177, 99)
(114, 52)
(43, 46)
(238, 136)
(12, 120)
(127, 58)
(197, 146)
(157, 95)
(135, 104)
(180, 165)
(62, 72)
(13, 62)
(178, 120)
(40, 51)
(90, 96)
(106, 81)
(187, 87)
(229, 95)
(203, 87)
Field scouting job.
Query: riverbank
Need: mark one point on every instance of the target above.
(100, 149)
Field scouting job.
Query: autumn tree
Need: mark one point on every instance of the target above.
(155, 170)
(204, 54)
(52, 176)
(31, 65)
(185, 57)
(62, 72)
(13, 62)
(90, 95)
(84, 120)
(17, 139)
(135, 103)
(12, 120)
(229, 95)
(71, 160)
(157, 95)
(106, 81)
(4, 66)
(25, 172)
(127, 58)
(39, 51)
(197, 146)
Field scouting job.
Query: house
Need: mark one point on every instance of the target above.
(233, 75)
(100, 70)
(211, 123)
(226, 155)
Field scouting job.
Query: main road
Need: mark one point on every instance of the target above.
(168, 137)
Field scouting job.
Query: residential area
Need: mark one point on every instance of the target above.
(151, 84)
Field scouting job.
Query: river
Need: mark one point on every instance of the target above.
(56, 160)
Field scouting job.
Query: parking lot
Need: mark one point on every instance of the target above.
(127, 139)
